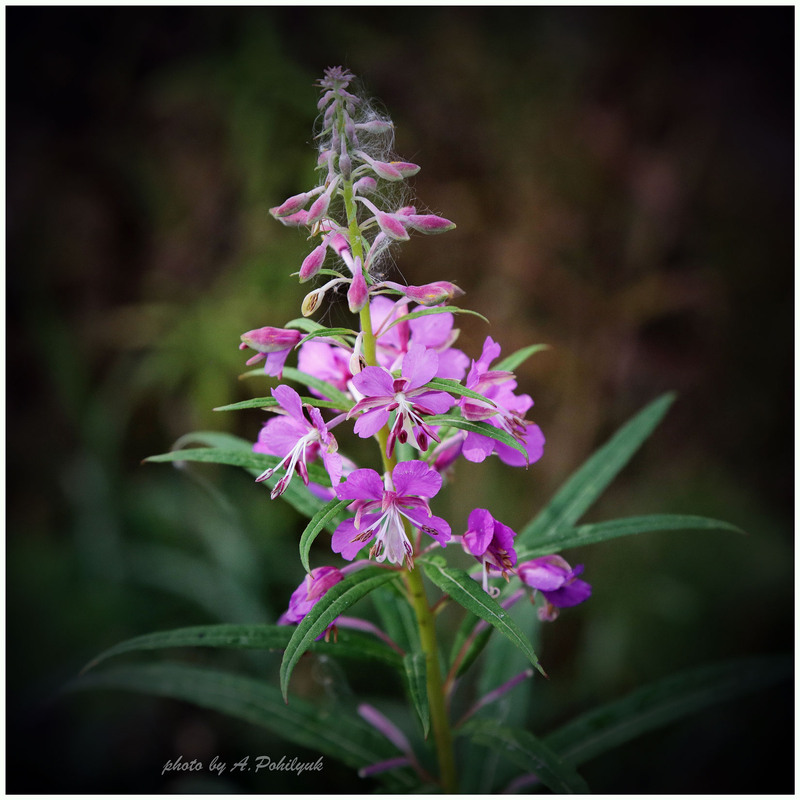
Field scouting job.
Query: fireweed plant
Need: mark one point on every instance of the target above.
(396, 376)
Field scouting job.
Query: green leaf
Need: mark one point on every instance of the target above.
(250, 637)
(334, 333)
(258, 462)
(510, 363)
(323, 387)
(585, 485)
(434, 310)
(601, 531)
(665, 701)
(529, 753)
(336, 600)
(397, 617)
(304, 324)
(449, 385)
(327, 517)
(342, 736)
(475, 648)
(469, 594)
(416, 675)
(483, 428)
(270, 402)
(226, 441)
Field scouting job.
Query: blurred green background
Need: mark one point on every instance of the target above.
(622, 181)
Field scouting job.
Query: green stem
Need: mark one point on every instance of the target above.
(436, 700)
(413, 578)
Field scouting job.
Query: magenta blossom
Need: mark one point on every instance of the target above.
(491, 542)
(435, 331)
(406, 395)
(383, 506)
(297, 439)
(305, 596)
(557, 581)
(507, 413)
(273, 344)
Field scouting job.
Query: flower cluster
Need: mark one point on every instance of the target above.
(397, 376)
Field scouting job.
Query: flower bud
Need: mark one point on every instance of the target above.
(319, 207)
(290, 206)
(429, 223)
(375, 126)
(405, 168)
(431, 294)
(312, 263)
(270, 340)
(358, 293)
(391, 226)
(365, 185)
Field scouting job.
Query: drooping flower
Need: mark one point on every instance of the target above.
(383, 393)
(296, 439)
(491, 542)
(557, 581)
(305, 596)
(273, 344)
(382, 506)
(506, 413)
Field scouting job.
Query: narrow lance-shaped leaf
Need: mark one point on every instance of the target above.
(483, 428)
(336, 600)
(333, 333)
(423, 312)
(469, 594)
(416, 677)
(345, 738)
(453, 386)
(510, 363)
(584, 486)
(529, 753)
(612, 529)
(327, 517)
(235, 458)
(269, 402)
(665, 701)
(249, 637)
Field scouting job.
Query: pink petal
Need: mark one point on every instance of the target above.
(419, 365)
(374, 382)
(416, 478)
(370, 422)
(342, 539)
(290, 401)
(361, 484)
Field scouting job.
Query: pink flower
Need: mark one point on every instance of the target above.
(296, 439)
(507, 413)
(434, 331)
(306, 595)
(557, 581)
(383, 393)
(381, 508)
(273, 344)
(491, 542)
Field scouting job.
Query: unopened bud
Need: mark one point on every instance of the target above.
(365, 185)
(358, 293)
(319, 207)
(429, 223)
(391, 226)
(268, 340)
(290, 206)
(312, 263)
(431, 294)
(405, 168)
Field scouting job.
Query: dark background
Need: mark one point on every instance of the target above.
(622, 181)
